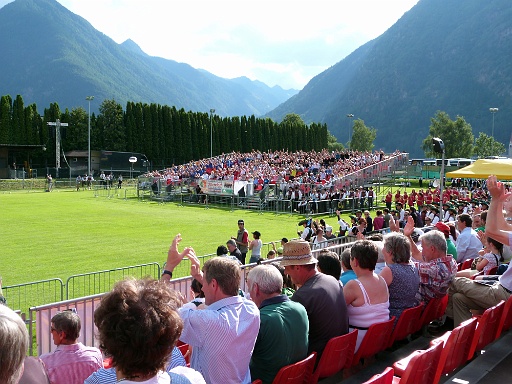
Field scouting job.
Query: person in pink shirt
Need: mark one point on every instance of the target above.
(71, 362)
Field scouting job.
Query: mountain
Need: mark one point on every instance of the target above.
(449, 55)
(51, 55)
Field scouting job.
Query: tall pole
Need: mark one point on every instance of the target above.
(493, 111)
(350, 116)
(212, 111)
(89, 99)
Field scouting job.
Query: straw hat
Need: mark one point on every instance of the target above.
(297, 252)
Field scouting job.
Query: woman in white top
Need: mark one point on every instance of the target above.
(255, 247)
(367, 297)
(319, 241)
(490, 256)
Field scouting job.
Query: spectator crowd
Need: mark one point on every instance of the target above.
(237, 333)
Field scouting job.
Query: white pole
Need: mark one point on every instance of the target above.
(89, 98)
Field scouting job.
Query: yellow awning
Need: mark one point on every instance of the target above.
(482, 168)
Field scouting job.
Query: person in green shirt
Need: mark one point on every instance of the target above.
(284, 325)
(451, 249)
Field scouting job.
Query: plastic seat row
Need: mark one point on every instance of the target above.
(452, 350)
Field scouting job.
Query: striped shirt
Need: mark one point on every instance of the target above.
(108, 376)
(222, 339)
(70, 364)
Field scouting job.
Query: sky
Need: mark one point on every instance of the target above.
(279, 42)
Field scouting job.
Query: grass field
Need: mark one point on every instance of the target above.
(64, 233)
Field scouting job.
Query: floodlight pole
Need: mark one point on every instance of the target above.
(493, 111)
(212, 111)
(350, 116)
(439, 147)
(89, 99)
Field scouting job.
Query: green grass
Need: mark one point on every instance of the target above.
(64, 233)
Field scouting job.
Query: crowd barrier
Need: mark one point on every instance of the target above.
(21, 297)
(85, 306)
(127, 192)
(102, 281)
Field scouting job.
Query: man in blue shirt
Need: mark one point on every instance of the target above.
(223, 335)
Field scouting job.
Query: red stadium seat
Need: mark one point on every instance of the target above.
(184, 351)
(107, 362)
(375, 340)
(298, 373)
(420, 367)
(466, 264)
(430, 312)
(487, 327)
(406, 325)
(338, 354)
(385, 377)
(441, 308)
(456, 347)
(506, 318)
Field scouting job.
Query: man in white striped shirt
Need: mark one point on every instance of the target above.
(223, 335)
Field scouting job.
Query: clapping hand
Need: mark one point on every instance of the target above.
(195, 266)
(497, 189)
(409, 227)
(174, 257)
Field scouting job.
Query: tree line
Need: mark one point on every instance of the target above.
(458, 139)
(165, 134)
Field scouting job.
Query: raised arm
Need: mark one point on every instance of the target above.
(174, 257)
(408, 230)
(496, 226)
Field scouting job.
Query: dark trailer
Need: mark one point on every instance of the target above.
(124, 162)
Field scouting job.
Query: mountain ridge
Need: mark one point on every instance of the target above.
(440, 55)
(70, 60)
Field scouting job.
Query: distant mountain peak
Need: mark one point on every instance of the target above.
(72, 59)
(133, 47)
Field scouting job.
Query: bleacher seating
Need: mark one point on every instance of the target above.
(375, 340)
(406, 325)
(506, 318)
(487, 327)
(418, 368)
(385, 377)
(456, 347)
(337, 355)
(298, 373)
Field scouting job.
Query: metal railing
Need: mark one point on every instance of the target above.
(23, 296)
(85, 306)
(102, 281)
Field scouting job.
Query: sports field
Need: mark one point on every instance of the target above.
(64, 233)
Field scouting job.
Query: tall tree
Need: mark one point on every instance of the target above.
(5, 118)
(457, 136)
(78, 130)
(114, 135)
(17, 135)
(362, 137)
(487, 146)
